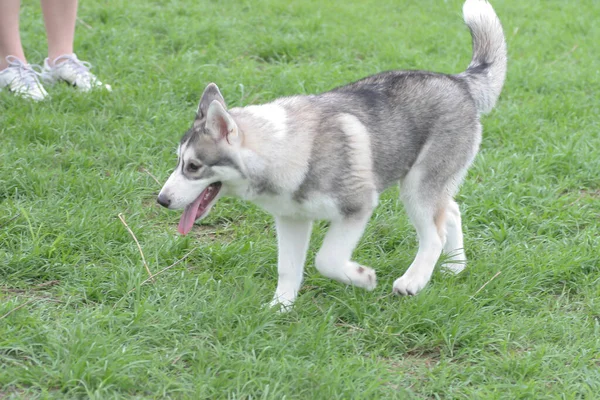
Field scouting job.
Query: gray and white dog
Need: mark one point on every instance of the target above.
(329, 156)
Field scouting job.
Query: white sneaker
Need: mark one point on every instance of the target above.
(70, 69)
(22, 79)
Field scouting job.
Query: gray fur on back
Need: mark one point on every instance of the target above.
(402, 111)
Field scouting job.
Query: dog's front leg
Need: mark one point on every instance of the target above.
(292, 238)
(333, 259)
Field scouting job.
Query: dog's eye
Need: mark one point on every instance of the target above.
(193, 167)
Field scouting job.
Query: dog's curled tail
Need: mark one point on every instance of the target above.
(487, 70)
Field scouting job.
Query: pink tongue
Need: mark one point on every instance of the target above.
(189, 216)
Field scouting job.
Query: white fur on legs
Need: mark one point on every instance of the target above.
(333, 259)
(454, 246)
(292, 238)
(430, 249)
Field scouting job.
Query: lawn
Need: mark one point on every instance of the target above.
(78, 321)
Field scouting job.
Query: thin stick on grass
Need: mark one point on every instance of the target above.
(138, 245)
(155, 275)
(164, 269)
(38, 299)
(152, 176)
(485, 284)
(46, 284)
(10, 220)
(564, 55)
(82, 22)
(41, 286)
(175, 360)
(17, 308)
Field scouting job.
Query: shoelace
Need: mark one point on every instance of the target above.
(81, 68)
(27, 72)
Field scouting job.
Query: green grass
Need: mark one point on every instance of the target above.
(69, 166)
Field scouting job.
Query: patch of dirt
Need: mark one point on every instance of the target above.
(582, 194)
(12, 393)
(33, 295)
(416, 359)
(212, 233)
(411, 364)
(41, 286)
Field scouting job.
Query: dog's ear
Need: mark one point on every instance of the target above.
(219, 124)
(211, 93)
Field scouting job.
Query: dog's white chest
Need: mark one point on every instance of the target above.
(316, 207)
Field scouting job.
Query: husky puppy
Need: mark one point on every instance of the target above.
(329, 156)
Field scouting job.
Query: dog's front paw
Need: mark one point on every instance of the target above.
(409, 284)
(282, 303)
(361, 276)
(454, 267)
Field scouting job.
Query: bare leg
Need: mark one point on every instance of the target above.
(59, 18)
(10, 40)
(333, 260)
(292, 240)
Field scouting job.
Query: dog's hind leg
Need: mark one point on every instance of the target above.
(454, 246)
(333, 259)
(426, 208)
(292, 241)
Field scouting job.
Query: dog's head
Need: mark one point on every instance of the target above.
(208, 158)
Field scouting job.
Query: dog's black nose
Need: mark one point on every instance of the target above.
(163, 200)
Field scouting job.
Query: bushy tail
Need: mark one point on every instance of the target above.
(487, 70)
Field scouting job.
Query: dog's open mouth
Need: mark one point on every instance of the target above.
(199, 208)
